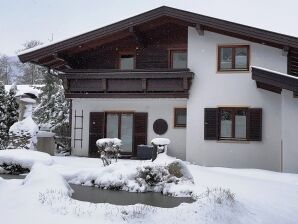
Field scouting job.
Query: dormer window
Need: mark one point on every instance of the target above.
(178, 59)
(127, 61)
(233, 58)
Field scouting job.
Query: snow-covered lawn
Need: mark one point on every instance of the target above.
(43, 197)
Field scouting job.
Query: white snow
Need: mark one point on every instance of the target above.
(25, 158)
(161, 141)
(260, 196)
(109, 141)
(26, 126)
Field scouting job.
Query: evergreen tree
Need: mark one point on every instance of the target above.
(3, 127)
(12, 107)
(53, 109)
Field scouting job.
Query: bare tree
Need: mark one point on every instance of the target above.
(30, 73)
(5, 69)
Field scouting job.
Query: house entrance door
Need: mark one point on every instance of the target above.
(120, 125)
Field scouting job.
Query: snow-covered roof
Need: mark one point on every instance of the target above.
(275, 72)
(266, 36)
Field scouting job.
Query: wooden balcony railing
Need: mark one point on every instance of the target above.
(137, 83)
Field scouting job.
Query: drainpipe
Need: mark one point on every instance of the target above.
(281, 157)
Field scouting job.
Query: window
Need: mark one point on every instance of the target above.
(127, 61)
(233, 58)
(233, 123)
(180, 117)
(178, 59)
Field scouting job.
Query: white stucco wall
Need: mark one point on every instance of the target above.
(289, 132)
(156, 108)
(213, 89)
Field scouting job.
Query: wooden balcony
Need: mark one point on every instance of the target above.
(138, 83)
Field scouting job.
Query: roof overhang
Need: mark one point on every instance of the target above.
(48, 55)
(274, 81)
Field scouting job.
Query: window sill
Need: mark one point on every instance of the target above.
(178, 126)
(244, 141)
(232, 71)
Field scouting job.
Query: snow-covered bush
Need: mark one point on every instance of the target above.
(138, 212)
(152, 175)
(21, 161)
(219, 196)
(162, 178)
(109, 148)
(23, 134)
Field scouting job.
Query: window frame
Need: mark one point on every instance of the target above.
(176, 109)
(176, 50)
(233, 110)
(234, 47)
(127, 53)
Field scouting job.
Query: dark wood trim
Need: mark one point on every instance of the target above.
(268, 87)
(125, 74)
(275, 79)
(133, 53)
(233, 111)
(170, 55)
(233, 69)
(128, 95)
(176, 109)
(192, 19)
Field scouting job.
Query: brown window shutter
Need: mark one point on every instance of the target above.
(140, 130)
(254, 120)
(211, 124)
(96, 131)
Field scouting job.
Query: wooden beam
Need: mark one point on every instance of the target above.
(200, 29)
(139, 37)
(285, 51)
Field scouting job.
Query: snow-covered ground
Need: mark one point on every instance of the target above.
(43, 197)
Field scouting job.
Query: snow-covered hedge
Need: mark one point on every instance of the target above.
(22, 159)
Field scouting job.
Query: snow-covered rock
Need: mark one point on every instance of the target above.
(47, 179)
(24, 158)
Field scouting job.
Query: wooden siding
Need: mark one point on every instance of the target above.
(293, 62)
(153, 55)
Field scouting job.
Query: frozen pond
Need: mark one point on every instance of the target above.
(97, 195)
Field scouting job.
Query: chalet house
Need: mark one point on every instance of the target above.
(225, 94)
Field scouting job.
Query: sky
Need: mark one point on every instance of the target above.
(46, 20)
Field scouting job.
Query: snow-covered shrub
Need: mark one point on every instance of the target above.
(23, 134)
(152, 175)
(137, 212)
(13, 169)
(219, 196)
(109, 148)
(21, 161)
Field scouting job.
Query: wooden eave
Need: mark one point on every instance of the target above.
(274, 81)
(185, 17)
